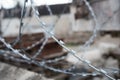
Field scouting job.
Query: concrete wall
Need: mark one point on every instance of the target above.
(108, 15)
(106, 11)
(31, 25)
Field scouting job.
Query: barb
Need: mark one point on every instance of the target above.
(44, 64)
(34, 44)
(46, 36)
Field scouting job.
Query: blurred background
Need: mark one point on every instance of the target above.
(70, 21)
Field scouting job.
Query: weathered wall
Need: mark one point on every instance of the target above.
(107, 12)
(11, 26)
(108, 15)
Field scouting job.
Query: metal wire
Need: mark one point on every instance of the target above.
(49, 33)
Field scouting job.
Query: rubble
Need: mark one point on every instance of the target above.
(8, 72)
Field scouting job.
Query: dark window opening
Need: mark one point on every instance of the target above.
(56, 10)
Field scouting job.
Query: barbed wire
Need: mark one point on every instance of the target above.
(49, 33)
(43, 25)
(66, 71)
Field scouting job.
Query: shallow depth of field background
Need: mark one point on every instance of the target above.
(74, 25)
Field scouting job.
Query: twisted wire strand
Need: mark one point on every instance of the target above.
(46, 36)
(18, 39)
(12, 57)
(44, 64)
(51, 29)
(34, 44)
